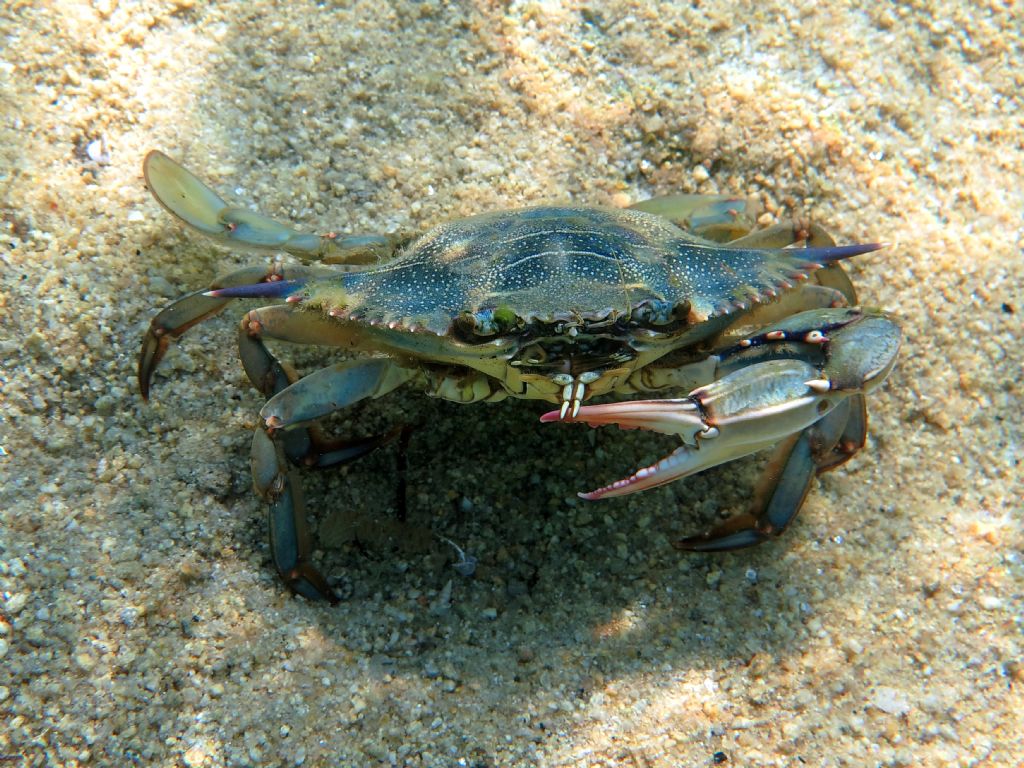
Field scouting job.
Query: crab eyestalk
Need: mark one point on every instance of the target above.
(756, 406)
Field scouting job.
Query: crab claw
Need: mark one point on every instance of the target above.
(702, 446)
(756, 406)
(670, 417)
(741, 413)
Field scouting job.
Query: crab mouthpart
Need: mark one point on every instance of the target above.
(574, 392)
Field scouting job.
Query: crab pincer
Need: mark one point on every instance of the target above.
(766, 403)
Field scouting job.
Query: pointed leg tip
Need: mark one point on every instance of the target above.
(722, 540)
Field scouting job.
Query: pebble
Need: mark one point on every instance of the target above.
(890, 701)
(990, 602)
(194, 757)
(15, 603)
(442, 604)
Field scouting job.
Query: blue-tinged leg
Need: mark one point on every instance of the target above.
(782, 489)
(293, 402)
(180, 315)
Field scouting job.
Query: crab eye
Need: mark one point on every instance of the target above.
(488, 322)
(654, 312)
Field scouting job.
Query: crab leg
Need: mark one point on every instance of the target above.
(192, 202)
(720, 218)
(333, 388)
(279, 484)
(786, 481)
(180, 315)
(275, 450)
(758, 404)
(304, 447)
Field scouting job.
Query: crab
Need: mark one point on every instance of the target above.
(753, 338)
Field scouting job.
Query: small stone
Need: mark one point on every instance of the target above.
(85, 661)
(162, 287)
(852, 647)
(443, 602)
(654, 125)
(15, 603)
(489, 613)
(195, 757)
(95, 151)
(990, 602)
(105, 7)
(890, 701)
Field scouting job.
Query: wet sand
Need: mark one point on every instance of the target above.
(140, 616)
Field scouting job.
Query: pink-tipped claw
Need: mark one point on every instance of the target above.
(670, 468)
(669, 417)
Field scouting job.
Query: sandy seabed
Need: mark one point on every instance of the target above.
(141, 621)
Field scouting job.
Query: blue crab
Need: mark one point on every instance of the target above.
(760, 330)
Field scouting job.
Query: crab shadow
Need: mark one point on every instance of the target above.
(568, 595)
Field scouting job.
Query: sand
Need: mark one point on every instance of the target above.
(141, 621)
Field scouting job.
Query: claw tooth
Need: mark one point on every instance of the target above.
(575, 407)
(564, 410)
(819, 385)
